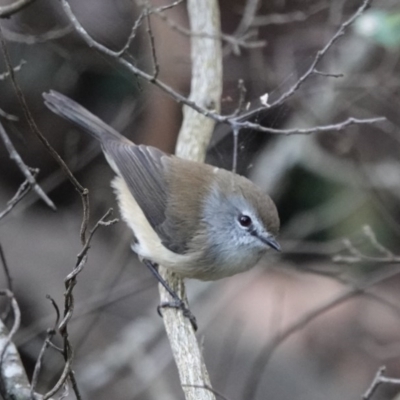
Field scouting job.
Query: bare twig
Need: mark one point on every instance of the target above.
(320, 54)
(236, 42)
(287, 18)
(15, 69)
(208, 110)
(156, 66)
(47, 343)
(17, 321)
(6, 269)
(13, 8)
(330, 75)
(315, 129)
(24, 168)
(61, 380)
(242, 98)
(69, 304)
(245, 24)
(25, 38)
(132, 35)
(357, 256)
(84, 193)
(14, 382)
(19, 195)
(9, 117)
(256, 372)
(377, 381)
(3, 76)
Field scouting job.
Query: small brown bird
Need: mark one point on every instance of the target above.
(197, 220)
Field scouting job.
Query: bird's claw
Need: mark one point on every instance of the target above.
(180, 305)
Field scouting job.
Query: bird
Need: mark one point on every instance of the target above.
(197, 220)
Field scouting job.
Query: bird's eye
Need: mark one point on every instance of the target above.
(245, 221)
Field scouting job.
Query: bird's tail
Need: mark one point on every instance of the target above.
(72, 111)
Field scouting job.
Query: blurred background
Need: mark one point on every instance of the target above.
(337, 194)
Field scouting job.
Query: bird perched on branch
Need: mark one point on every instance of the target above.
(197, 220)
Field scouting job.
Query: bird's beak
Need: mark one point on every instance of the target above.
(270, 241)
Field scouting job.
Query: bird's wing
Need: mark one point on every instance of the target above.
(144, 172)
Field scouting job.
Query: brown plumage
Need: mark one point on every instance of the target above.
(184, 214)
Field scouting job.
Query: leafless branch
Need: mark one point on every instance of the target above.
(84, 193)
(13, 8)
(24, 168)
(6, 269)
(17, 321)
(330, 75)
(287, 18)
(242, 31)
(8, 116)
(319, 56)
(377, 381)
(256, 372)
(156, 66)
(307, 131)
(357, 256)
(47, 343)
(3, 76)
(236, 42)
(69, 304)
(52, 34)
(14, 382)
(17, 68)
(22, 191)
(239, 121)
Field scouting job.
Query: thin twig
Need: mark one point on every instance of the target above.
(84, 193)
(6, 269)
(318, 57)
(69, 304)
(47, 343)
(132, 35)
(8, 116)
(239, 121)
(236, 42)
(242, 98)
(22, 191)
(377, 381)
(256, 372)
(60, 382)
(315, 129)
(156, 66)
(24, 168)
(13, 8)
(15, 69)
(17, 321)
(287, 18)
(245, 24)
(47, 36)
(356, 256)
(328, 74)
(14, 382)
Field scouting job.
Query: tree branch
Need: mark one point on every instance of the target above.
(13, 8)
(194, 136)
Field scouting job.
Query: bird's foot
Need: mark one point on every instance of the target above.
(177, 303)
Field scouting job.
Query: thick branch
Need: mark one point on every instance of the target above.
(194, 136)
